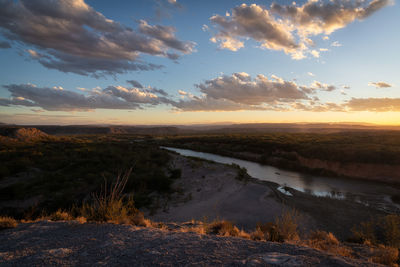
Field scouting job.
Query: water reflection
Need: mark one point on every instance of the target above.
(333, 187)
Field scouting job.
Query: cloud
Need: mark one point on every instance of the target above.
(374, 104)
(252, 21)
(289, 28)
(323, 86)
(164, 8)
(212, 104)
(336, 44)
(318, 107)
(166, 35)
(379, 84)
(240, 91)
(135, 83)
(4, 45)
(241, 88)
(311, 74)
(314, 53)
(56, 99)
(73, 37)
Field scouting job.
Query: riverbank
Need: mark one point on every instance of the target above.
(366, 156)
(210, 191)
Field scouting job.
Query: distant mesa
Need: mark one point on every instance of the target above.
(23, 134)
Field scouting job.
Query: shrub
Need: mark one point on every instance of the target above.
(385, 255)
(242, 174)
(257, 235)
(270, 232)
(60, 215)
(385, 230)
(110, 205)
(287, 225)
(391, 230)
(327, 242)
(364, 233)
(223, 228)
(7, 222)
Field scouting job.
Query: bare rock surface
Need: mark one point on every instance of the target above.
(47, 243)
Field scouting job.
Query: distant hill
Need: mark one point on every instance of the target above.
(87, 129)
(197, 129)
(22, 134)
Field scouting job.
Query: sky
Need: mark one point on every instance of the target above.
(158, 62)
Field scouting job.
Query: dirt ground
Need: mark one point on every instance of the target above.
(211, 191)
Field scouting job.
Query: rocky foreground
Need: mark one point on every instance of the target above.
(47, 243)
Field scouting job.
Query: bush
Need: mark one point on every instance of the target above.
(60, 215)
(270, 232)
(391, 230)
(257, 235)
(385, 230)
(327, 242)
(287, 225)
(7, 222)
(364, 233)
(385, 255)
(223, 228)
(110, 205)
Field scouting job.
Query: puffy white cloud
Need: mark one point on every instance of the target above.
(289, 28)
(73, 37)
(255, 22)
(241, 88)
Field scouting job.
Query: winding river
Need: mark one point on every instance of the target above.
(366, 192)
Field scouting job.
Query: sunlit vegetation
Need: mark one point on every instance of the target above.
(285, 150)
(7, 222)
(365, 147)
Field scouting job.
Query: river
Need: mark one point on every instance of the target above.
(366, 192)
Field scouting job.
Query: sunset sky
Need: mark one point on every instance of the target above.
(189, 62)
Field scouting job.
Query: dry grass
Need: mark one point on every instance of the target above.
(199, 229)
(60, 215)
(287, 225)
(110, 205)
(385, 255)
(223, 228)
(7, 222)
(257, 235)
(327, 242)
(269, 232)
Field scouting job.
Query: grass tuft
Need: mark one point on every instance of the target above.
(385, 255)
(7, 223)
(327, 242)
(110, 205)
(224, 228)
(60, 215)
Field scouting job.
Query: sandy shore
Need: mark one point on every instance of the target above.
(211, 191)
